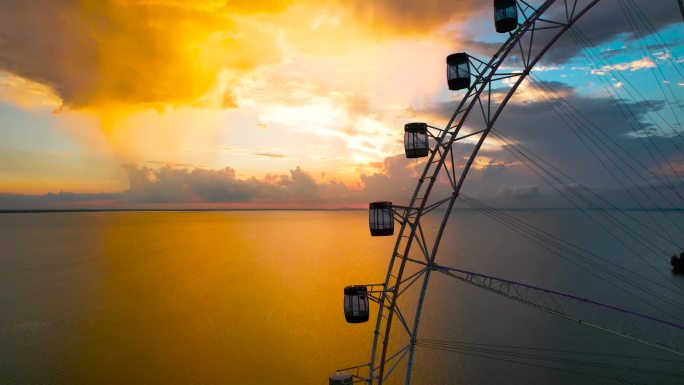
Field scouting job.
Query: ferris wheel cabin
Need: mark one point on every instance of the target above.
(341, 378)
(356, 308)
(380, 219)
(505, 15)
(416, 140)
(677, 263)
(458, 71)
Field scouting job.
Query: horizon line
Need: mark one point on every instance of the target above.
(105, 210)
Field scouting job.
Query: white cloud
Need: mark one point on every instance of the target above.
(628, 66)
(664, 55)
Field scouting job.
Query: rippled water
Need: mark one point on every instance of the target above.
(255, 298)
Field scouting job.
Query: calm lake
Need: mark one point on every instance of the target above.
(255, 297)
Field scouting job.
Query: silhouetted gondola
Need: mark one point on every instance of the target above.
(416, 140)
(356, 304)
(458, 71)
(677, 263)
(380, 219)
(341, 378)
(505, 15)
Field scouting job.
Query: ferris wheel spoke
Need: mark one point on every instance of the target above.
(480, 67)
(411, 281)
(553, 24)
(422, 243)
(469, 135)
(400, 214)
(485, 115)
(409, 259)
(527, 8)
(398, 353)
(503, 76)
(531, 42)
(440, 132)
(572, 13)
(536, 360)
(355, 367)
(402, 320)
(459, 112)
(397, 358)
(505, 352)
(525, 61)
(453, 163)
(436, 205)
(645, 329)
(447, 169)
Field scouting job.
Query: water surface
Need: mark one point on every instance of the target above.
(255, 298)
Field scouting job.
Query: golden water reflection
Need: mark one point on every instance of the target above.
(242, 298)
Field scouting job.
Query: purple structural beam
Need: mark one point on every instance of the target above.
(560, 294)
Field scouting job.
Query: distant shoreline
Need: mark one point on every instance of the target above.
(40, 211)
(56, 211)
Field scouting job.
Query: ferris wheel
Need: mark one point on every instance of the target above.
(487, 87)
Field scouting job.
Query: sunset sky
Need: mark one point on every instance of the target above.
(139, 103)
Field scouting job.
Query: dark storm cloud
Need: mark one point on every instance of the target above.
(606, 21)
(537, 121)
(171, 185)
(617, 133)
(132, 52)
(59, 197)
(519, 191)
(31, 32)
(487, 180)
(603, 23)
(394, 184)
(60, 200)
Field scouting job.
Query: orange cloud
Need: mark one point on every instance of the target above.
(151, 53)
(409, 16)
(156, 53)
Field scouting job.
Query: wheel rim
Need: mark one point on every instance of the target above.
(384, 362)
